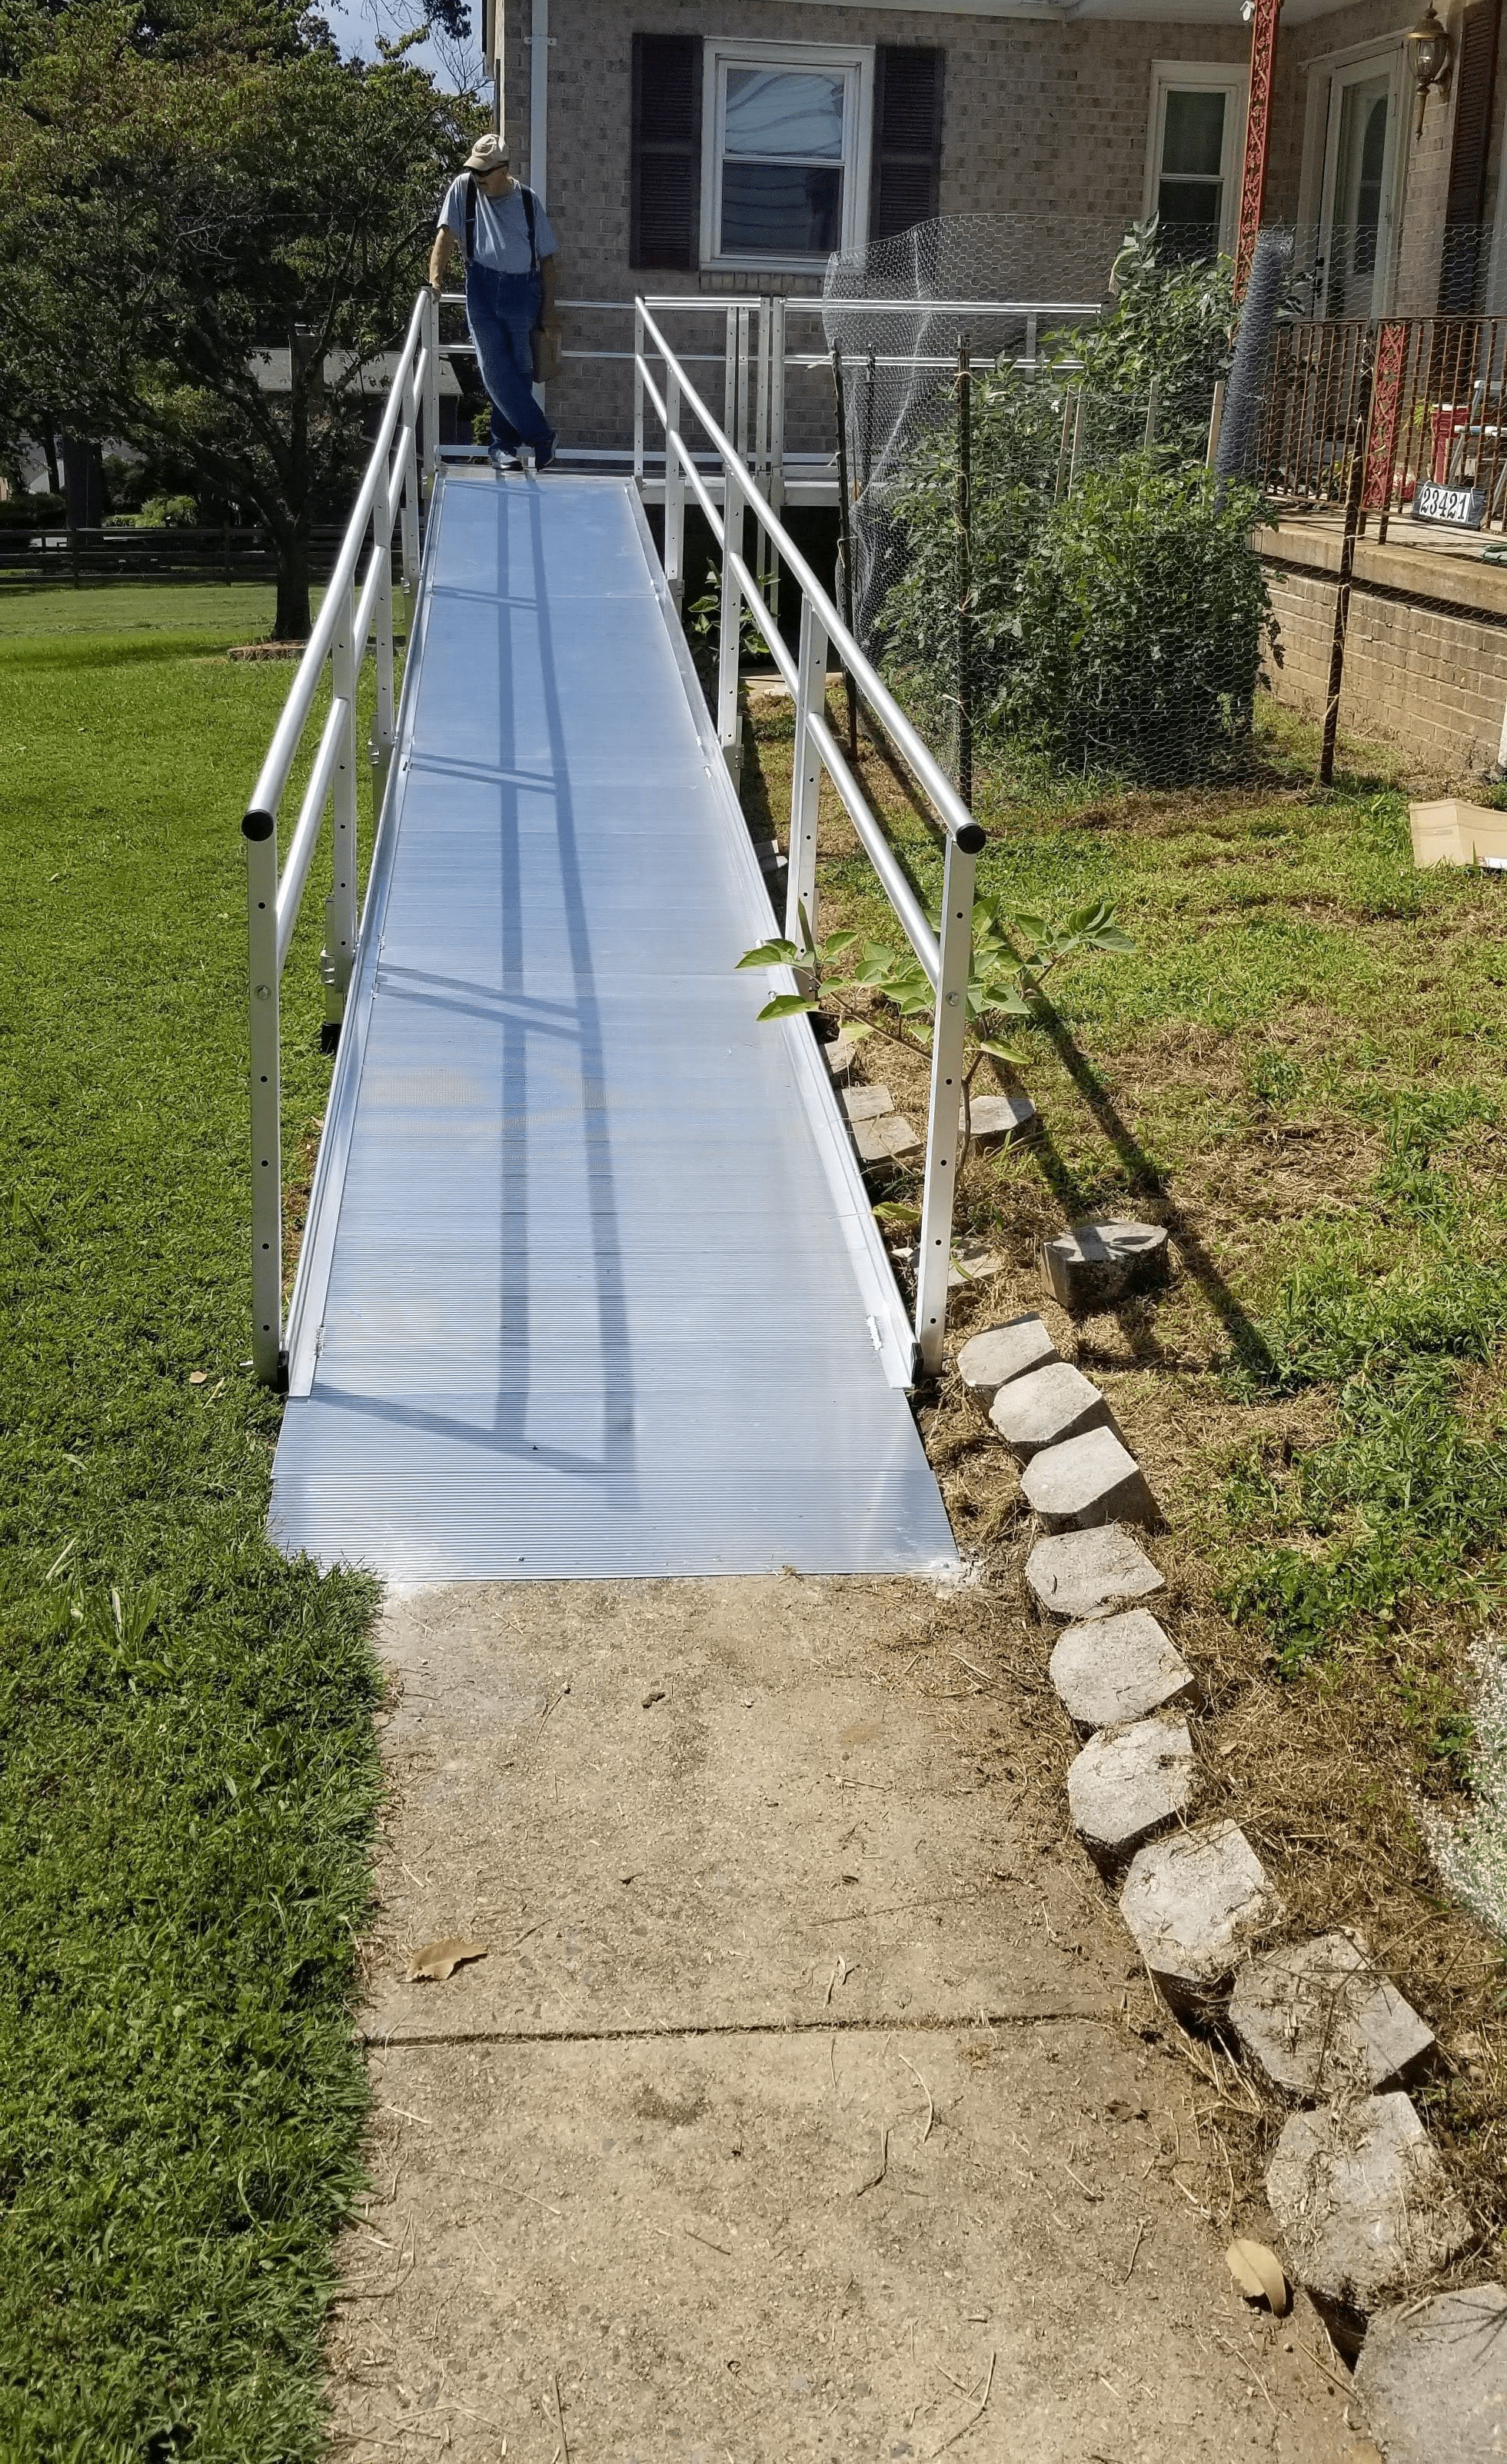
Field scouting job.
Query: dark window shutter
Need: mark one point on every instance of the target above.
(664, 222)
(1465, 203)
(906, 182)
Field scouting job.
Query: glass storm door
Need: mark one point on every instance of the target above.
(1356, 233)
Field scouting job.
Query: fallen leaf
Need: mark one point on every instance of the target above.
(438, 1960)
(1258, 2273)
(655, 1694)
(198, 1377)
(1119, 2110)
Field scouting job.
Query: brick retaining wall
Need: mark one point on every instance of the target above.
(1425, 669)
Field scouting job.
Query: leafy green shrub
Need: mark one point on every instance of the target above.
(1138, 626)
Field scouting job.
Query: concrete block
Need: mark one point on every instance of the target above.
(1128, 1783)
(1364, 2208)
(1193, 1905)
(890, 1140)
(1046, 1407)
(1453, 832)
(841, 1054)
(1083, 1574)
(868, 1102)
(990, 1360)
(1319, 2018)
(997, 1120)
(1087, 1481)
(1095, 1264)
(1432, 2379)
(1119, 1668)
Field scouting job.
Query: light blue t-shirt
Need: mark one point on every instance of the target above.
(502, 228)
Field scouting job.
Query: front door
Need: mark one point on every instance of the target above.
(1355, 232)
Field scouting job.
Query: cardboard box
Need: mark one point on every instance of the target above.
(1453, 832)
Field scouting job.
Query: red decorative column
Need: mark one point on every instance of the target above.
(1257, 136)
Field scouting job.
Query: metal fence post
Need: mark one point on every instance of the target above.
(674, 492)
(730, 724)
(638, 395)
(944, 1124)
(260, 832)
(339, 907)
(806, 778)
(965, 570)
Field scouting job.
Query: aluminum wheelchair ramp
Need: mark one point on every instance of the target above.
(590, 1286)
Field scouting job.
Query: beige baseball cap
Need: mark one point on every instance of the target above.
(490, 153)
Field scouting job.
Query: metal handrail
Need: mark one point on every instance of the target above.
(388, 499)
(946, 955)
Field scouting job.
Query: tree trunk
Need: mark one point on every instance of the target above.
(291, 624)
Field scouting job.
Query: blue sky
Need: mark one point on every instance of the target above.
(356, 23)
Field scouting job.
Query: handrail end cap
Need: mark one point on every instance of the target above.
(972, 837)
(256, 826)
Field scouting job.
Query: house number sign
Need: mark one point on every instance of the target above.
(1463, 506)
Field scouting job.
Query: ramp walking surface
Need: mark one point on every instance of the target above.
(592, 1287)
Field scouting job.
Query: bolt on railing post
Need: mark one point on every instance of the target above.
(383, 731)
(943, 1129)
(638, 397)
(674, 492)
(339, 907)
(260, 832)
(729, 725)
(805, 782)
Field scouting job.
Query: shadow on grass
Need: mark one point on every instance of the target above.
(1147, 1180)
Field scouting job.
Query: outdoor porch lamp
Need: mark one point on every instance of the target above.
(1429, 50)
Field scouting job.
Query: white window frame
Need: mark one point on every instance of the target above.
(1229, 78)
(855, 61)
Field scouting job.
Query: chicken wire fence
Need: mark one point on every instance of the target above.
(1037, 545)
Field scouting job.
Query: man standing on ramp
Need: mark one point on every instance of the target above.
(502, 232)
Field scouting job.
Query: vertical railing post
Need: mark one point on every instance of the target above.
(260, 832)
(943, 1125)
(339, 907)
(729, 725)
(965, 569)
(431, 389)
(805, 780)
(674, 491)
(730, 376)
(638, 395)
(383, 730)
(408, 485)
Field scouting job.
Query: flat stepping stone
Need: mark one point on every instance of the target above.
(994, 1120)
(1046, 1407)
(1432, 2378)
(1128, 1784)
(1319, 2017)
(1087, 1481)
(841, 1054)
(1095, 1264)
(889, 1140)
(990, 1360)
(1365, 2208)
(868, 1102)
(1192, 1905)
(1119, 1668)
(1088, 1573)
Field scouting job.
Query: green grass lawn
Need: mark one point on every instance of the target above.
(189, 1767)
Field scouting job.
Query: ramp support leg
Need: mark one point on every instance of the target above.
(383, 731)
(944, 1134)
(805, 785)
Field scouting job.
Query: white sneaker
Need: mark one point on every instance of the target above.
(503, 461)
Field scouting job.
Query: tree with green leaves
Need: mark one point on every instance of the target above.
(196, 196)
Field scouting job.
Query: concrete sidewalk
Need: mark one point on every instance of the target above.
(809, 2103)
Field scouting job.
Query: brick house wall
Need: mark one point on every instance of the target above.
(1047, 121)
